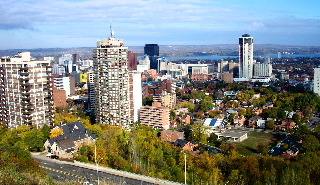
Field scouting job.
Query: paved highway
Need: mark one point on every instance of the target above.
(66, 171)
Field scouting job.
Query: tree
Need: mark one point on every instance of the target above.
(55, 132)
(270, 124)
(199, 133)
(263, 147)
(310, 143)
(33, 140)
(213, 139)
(205, 105)
(147, 101)
(45, 132)
(231, 116)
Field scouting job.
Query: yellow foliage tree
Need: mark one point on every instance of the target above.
(56, 132)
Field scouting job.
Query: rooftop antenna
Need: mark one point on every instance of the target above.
(111, 31)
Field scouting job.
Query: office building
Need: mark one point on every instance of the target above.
(246, 56)
(152, 50)
(25, 91)
(111, 82)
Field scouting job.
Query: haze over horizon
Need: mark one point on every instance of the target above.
(30, 24)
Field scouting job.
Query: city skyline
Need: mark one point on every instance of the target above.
(80, 23)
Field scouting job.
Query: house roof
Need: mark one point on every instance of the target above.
(74, 131)
(181, 142)
(65, 144)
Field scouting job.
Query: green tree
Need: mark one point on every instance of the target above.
(33, 140)
(310, 143)
(147, 101)
(45, 132)
(270, 124)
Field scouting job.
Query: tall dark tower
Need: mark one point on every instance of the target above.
(152, 50)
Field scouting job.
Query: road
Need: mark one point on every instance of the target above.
(66, 171)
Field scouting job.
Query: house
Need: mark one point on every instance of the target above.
(267, 106)
(171, 135)
(182, 110)
(287, 124)
(261, 123)
(185, 145)
(254, 120)
(239, 120)
(74, 137)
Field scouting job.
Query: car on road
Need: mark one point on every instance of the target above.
(52, 156)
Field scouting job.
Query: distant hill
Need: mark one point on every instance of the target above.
(173, 50)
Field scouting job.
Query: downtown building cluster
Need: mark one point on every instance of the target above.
(115, 81)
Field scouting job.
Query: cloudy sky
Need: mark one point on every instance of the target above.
(26, 24)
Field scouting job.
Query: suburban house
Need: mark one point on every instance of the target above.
(239, 120)
(74, 137)
(287, 124)
(254, 120)
(186, 145)
(171, 135)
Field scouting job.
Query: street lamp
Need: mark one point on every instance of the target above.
(97, 161)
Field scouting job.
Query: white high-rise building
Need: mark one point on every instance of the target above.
(316, 81)
(135, 89)
(246, 56)
(111, 82)
(26, 94)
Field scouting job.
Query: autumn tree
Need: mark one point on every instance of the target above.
(55, 132)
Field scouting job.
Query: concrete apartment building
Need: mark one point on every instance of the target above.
(59, 97)
(111, 82)
(26, 91)
(155, 116)
(246, 56)
(135, 92)
(91, 91)
(166, 99)
(316, 81)
(66, 83)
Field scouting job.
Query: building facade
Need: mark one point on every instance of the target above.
(316, 86)
(246, 56)
(111, 82)
(26, 91)
(155, 116)
(135, 93)
(152, 50)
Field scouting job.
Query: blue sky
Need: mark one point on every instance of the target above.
(26, 24)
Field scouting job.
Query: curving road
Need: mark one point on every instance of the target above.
(66, 171)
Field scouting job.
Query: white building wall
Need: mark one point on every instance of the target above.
(137, 96)
(316, 79)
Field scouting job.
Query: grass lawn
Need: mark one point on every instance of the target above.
(249, 146)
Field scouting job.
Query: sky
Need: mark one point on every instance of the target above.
(27, 24)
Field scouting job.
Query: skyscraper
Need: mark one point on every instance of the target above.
(111, 82)
(245, 56)
(26, 94)
(152, 50)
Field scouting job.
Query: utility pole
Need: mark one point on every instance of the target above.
(185, 168)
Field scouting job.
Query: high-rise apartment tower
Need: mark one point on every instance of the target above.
(246, 56)
(26, 95)
(111, 82)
